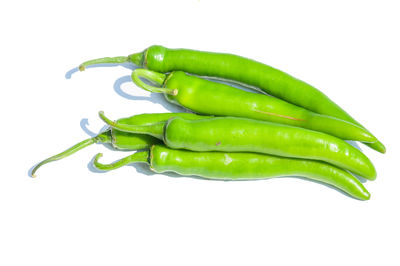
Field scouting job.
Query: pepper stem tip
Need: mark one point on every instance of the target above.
(97, 157)
(106, 120)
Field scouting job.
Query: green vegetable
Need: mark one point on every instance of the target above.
(239, 166)
(232, 134)
(121, 140)
(212, 98)
(239, 69)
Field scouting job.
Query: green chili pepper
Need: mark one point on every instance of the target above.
(212, 98)
(239, 69)
(239, 166)
(232, 134)
(144, 119)
(121, 140)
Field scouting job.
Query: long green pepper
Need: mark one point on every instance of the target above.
(239, 166)
(212, 98)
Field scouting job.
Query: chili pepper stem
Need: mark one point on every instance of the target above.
(103, 138)
(155, 130)
(104, 60)
(137, 157)
(136, 59)
(154, 77)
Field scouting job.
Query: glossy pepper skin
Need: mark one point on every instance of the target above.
(151, 118)
(232, 134)
(121, 140)
(240, 166)
(131, 141)
(239, 69)
(207, 97)
(246, 71)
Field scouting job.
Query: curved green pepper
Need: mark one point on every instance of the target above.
(212, 98)
(239, 166)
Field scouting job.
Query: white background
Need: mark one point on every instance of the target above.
(70, 215)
